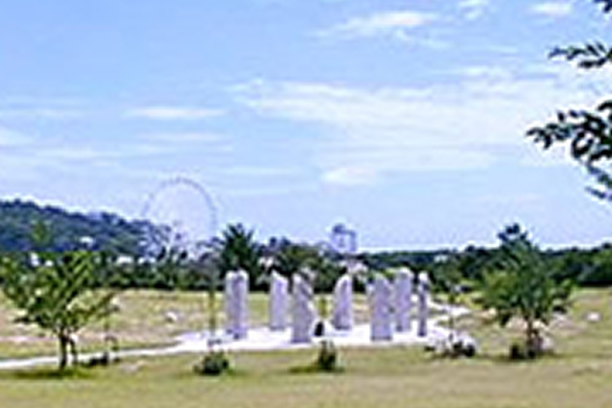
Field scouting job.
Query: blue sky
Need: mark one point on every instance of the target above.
(403, 119)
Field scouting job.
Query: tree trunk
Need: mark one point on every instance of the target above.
(323, 312)
(534, 343)
(451, 326)
(528, 329)
(73, 350)
(212, 312)
(63, 351)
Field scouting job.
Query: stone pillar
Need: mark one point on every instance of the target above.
(403, 299)
(278, 302)
(236, 304)
(303, 312)
(381, 315)
(241, 292)
(228, 302)
(423, 294)
(342, 317)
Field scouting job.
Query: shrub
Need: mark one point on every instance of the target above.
(533, 348)
(518, 351)
(327, 359)
(213, 363)
(469, 350)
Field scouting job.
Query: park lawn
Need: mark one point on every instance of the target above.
(579, 376)
(141, 322)
(394, 377)
(571, 334)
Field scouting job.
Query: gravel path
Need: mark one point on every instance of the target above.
(262, 339)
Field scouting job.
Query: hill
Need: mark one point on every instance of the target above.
(104, 231)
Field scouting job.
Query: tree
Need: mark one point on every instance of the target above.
(109, 232)
(520, 285)
(326, 272)
(292, 257)
(56, 292)
(449, 281)
(600, 272)
(240, 251)
(171, 268)
(588, 132)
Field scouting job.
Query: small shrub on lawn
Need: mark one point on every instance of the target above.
(529, 350)
(213, 363)
(327, 360)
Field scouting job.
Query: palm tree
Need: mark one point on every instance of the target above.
(239, 251)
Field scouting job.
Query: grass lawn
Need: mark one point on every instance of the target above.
(141, 322)
(579, 376)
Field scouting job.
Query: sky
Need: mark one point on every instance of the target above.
(405, 120)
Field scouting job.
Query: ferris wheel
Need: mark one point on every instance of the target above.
(183, 217)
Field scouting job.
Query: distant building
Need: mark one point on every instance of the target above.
(343, 240)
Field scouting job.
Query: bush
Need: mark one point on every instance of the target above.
(213, 363)
(529, 350)
(469, 350)
(599, 276)
(518, 351)
(327, 359)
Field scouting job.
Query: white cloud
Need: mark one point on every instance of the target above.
(33, 108)
(490, 72)
(258, 192)
(553, 9)
(473, 9)
(260, 171)
(71, 153)
(51, 154)
(10, 138)
(175, 142)
(90, 153)
(367, 134)
(173, 113)
(40, 113)
(518, 200)
(184, 137)
(430, 42)
(390, 23)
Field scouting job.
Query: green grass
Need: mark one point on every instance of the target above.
(580, 375)
(140, 323)
(395, 377)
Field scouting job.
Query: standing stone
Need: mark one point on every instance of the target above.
(403, 299)
(228, 301)
(242, 304)
(423, 294)
(342, 318)
(236, 304)
(381, 310)
(278, 302)
(303, 312)
(369, 289)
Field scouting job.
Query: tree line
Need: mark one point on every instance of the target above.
(126, 261)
